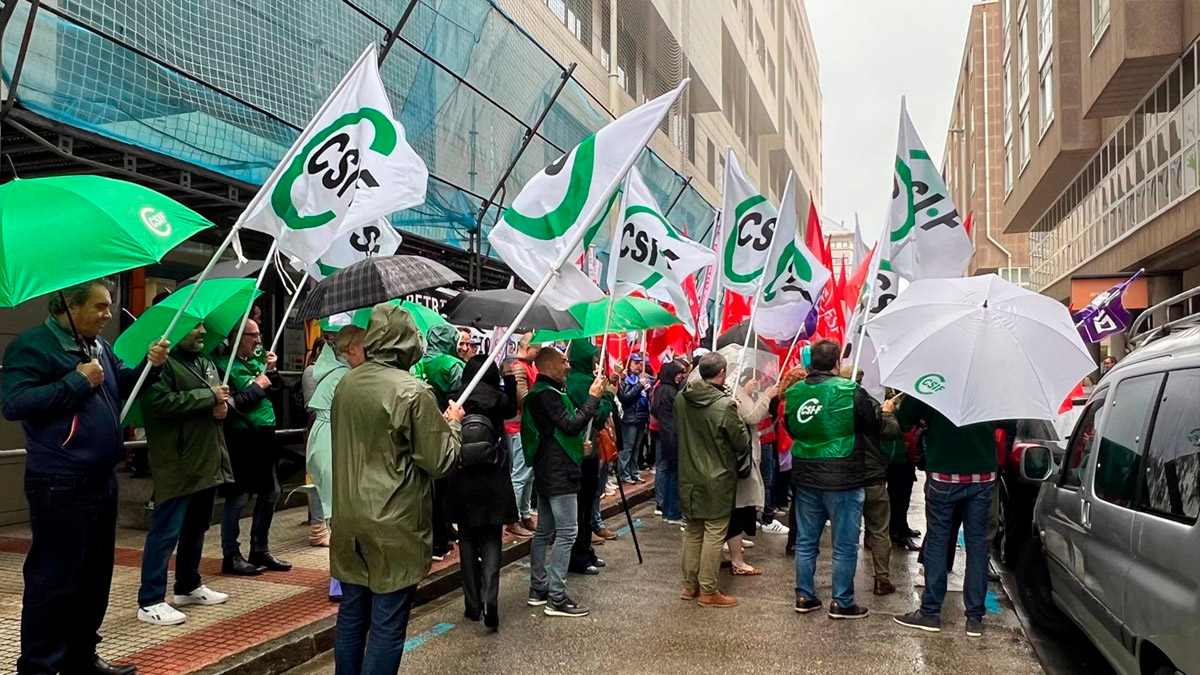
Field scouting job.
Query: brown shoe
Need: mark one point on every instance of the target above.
(606, 533)
(884, 587)
(517, 531)
(318, 535)
(530, 524)
(597, 540)
(689, 594)
(716, 600)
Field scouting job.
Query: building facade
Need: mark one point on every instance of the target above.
(1101, 104)
(973, 161)
(841, 244)
(754, 79)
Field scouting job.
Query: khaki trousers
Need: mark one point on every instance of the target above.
(702, 542)
(877, 514)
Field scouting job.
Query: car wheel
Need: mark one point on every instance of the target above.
(1033, 586)
(1013, 535)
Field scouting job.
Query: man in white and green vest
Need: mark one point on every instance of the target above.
(834, 423)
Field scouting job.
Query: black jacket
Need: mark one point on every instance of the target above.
(70, 426)
(635, 400)
(866, 464)
(662, 406)
(477, 498)
(554, 472)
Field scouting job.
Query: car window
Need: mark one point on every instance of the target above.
(1038, 430)
(1123, 437)
(1081, 444)
(1172, 475)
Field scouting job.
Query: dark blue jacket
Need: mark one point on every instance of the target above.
(70, 427)
(635, 400)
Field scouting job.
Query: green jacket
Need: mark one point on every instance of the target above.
(948, 448)
(328, 371)
(440, 367)
(186, 443)
(711, 436)
(254, 407)
(582, 356)
(390, 442)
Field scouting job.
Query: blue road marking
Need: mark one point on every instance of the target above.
(991, 604)
(418, 640)
(624, 529)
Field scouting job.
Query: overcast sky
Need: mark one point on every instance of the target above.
(871, 53)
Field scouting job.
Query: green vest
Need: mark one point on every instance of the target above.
(262, 414)
(439, 373)
(530, 435)
(820, 418)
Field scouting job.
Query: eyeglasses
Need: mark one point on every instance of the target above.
(250, 335)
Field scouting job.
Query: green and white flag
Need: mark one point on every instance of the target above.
(354, 245)
(747, 233)
(649, 254)
(350, 166)
(926, 233)
(795, 277)
(543, 231)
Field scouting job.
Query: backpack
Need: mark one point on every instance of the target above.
(480, 444)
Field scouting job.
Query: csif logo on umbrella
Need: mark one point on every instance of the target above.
(155, 221)
(808, 410)
(930, 384)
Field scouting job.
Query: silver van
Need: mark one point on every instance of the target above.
(1117, 550)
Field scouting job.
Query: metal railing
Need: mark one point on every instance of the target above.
(1145, 328)
(138, 445)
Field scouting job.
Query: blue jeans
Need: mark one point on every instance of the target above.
(668, 478)
(975, 500)
(660, 466)
(768, 469)
(557, 523)
(260, 523)
(522, 477)
(843, 508)
(631, 438)
(370, 631)
(180, 521)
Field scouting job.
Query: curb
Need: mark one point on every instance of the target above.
(304, 644)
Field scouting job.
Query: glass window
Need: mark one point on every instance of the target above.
(1008, 167)
(1082, 442)
(1008, 112)
(1046, 95)
(1025, 138)
(1172, 486)
(1123, 438)
(1045, 28)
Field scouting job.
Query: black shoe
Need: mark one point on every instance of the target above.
(914, 533)
(98, 666)
(567, 607)
(599, 563)
(236, 565)
(537, 598)
(925, 622)
(805, 605)
(974, 627)
(471, 615)
(789, 550)
(836, 611)
(267, 560)
(491, 618)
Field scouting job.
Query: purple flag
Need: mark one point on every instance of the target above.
(1105, 315)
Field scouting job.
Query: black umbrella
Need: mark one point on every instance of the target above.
(485, 310)
(736, 335)
(377, 279)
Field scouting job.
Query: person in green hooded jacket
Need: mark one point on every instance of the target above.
(581, 354)
(390, 441)
(442, 370)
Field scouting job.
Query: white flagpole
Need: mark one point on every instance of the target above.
(716, 289)
(291, 305)
(792, 349)
(866, 312)
(233, 346)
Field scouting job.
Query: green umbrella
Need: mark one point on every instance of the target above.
(219, 303)
(424, 317)
(60, 231)
(628, 314)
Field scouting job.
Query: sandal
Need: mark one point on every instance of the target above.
(746, 571)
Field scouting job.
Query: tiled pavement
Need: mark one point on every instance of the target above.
(260, 609)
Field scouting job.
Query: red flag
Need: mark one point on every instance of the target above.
(735, 310)
(1069, 403)
(814, 239)
(854, 286)
(967, 222)
(839, 293)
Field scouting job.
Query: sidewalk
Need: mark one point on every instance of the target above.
(260, 609)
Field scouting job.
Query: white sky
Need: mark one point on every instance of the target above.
(872, 52)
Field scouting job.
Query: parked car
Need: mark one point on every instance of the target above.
(1017, 494)
(1117, 550)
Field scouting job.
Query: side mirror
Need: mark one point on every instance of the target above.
(1037, 463)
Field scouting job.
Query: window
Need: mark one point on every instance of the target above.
(1045, 29)
(1046, 96)
(1123, 437)
(1008, 111)
(711, 158)
(1172, 486)
(1026, 142)
(1082, 443)
(1008, 167)
(1023, 59)
(1100, 18)
(576, 15)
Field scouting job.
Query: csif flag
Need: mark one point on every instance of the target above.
(350, 166)
(547, 223)
(353, 245)
(747, 229)
(795, 277)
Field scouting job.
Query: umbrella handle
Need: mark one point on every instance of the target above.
(87, 353)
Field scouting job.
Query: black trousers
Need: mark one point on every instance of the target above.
(900, 479)
(68, 571)
(582, 553)
(441, 526)
(479, 555)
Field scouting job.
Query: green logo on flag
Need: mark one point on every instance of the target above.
(575, 195)
(329, 156)
(639, 246)
(789, 272)
(930, 384)
(754, 227)
(922, 197)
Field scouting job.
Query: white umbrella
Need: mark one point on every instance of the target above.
(979, 349)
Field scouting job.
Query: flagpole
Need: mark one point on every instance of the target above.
(862, 330)
(141, 381)
(291, 305)
(720, 249)
(792, 348)
(233, 346)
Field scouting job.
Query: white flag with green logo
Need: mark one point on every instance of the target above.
(926, 233)
(350, 166)
(649, 254)
(747, 232)
(880, 287)
(547, 221)
(795, 277)
(354, 245)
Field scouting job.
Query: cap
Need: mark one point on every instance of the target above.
(637, 357)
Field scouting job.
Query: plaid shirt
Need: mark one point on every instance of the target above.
(963, 477)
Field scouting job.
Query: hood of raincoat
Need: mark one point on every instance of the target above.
(700, 394)
(670, 370)
(328, 362)
(443, 339)
(393, 339)
(328, 370)
(582, 356)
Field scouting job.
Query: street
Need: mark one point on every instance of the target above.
(638, 624)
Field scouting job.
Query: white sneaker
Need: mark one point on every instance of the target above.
(775, 527)
(161, 614)
(657, 511)
(748, 543)
(201, 596)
